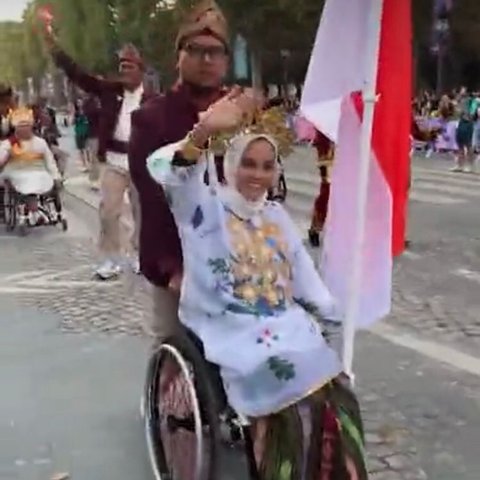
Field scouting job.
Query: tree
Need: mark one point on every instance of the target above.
(92, 31)
(11, 62)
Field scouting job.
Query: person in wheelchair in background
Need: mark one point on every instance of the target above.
(27, 164)
(252, 296)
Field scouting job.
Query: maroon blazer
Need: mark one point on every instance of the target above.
(160, 121)
(110, 94)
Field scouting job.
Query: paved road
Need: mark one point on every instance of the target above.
(73, 352)
(436, 282)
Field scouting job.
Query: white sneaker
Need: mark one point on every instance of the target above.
(468, 169)
(108, 270)
(136, 266)
(95, 186)
(457, 168)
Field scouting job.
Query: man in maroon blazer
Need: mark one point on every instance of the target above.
(203, 57)
(118, 99)
(92, 110)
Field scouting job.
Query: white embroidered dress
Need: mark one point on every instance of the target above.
(32, 172)
(245, 287)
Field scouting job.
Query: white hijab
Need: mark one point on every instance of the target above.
(229, 194)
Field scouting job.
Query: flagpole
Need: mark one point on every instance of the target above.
(369, 99)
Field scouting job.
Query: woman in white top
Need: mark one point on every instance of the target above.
(26, 161)
(251, 293)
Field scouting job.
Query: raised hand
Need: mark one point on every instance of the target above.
(46, 17)
(237, 107)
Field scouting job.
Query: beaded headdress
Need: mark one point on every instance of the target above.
(22, 116)
(271, 122)
(205, 17)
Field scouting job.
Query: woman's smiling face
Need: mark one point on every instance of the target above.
(257, 169)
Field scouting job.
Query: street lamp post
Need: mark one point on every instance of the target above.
(442, 28)
(240, 59)
(285, 55)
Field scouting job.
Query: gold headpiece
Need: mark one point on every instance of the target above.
(22, 116)
(271, 122)
(205, 17)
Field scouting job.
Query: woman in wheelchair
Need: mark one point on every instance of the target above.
(251, 294)
(27, 164)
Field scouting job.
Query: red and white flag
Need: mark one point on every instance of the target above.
(332, 101)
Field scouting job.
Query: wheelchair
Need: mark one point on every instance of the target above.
(191, 432)
(21, 212)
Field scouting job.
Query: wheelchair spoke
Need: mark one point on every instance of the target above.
(179, 428)
(182, 423)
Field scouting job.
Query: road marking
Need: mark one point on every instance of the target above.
(411, 255)
(445, 179)
(18, 277)
(455, 190)
(435, 351)
(41, 288)
(468, 177)
(468, 274)
(41, 275)
(436, 199)
(438, 187)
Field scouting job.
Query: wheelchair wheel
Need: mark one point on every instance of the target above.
(181, 415)
(10, 211)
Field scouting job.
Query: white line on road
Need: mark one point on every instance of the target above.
(22, 290)
(468, 274)
(444, 179)
(18, 277)
(435, 351)
(436, 199)
(42, 288)
(43, 276)
(455, 190)
(411, 255)
(468, 177)
(65, 284)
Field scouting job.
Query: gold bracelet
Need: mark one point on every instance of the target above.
(190, 151)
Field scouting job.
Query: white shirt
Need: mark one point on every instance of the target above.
(131, 101)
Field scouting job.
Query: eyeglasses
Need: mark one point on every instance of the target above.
(201, 52)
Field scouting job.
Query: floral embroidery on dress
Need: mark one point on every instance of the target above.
(260, 270)
(267, 338)
(281, 368)
(257, 273)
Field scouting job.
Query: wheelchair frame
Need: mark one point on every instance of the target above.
(211, 411)
(16, 213)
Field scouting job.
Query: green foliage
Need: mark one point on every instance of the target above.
(92, 31)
